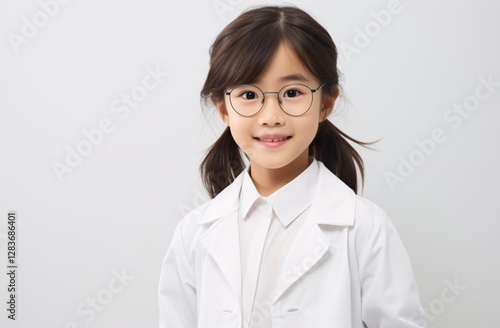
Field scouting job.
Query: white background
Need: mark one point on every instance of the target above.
(115, 212)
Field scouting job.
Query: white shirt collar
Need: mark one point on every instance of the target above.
(288, 201)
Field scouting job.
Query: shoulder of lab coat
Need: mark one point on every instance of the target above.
(387, 287)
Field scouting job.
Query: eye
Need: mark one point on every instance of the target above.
(250, 95)
(292, 93)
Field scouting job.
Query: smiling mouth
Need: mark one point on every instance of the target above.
(273, 139)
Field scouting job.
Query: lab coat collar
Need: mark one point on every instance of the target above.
(333, 202)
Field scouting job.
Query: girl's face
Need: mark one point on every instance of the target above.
(253, 134)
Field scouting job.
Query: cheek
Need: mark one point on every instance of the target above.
(241, 132)
(307, 128)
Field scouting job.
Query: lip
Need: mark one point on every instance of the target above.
(272, 144)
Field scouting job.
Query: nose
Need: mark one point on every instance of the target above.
(271, 112)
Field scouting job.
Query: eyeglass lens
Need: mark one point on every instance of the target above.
(294, 99)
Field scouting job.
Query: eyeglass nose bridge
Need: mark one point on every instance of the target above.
(277, 95)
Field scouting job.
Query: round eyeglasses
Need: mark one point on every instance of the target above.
(294, 99)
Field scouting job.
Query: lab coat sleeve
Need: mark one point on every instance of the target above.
(177, 287)
(389, 293)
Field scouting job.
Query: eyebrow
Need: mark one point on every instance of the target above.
(290, 77)
(294, 77)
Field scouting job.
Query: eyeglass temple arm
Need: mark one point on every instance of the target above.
(314, 90)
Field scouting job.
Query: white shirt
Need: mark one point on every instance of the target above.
(267, 228)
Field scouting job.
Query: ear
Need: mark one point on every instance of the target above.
(221, 109)
(328, 103)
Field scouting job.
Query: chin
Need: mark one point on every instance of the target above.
(271, 164)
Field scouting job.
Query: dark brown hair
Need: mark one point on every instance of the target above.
(241, 53)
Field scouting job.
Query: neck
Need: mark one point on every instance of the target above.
(267, 181)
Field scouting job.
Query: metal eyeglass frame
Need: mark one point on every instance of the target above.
(313, 91)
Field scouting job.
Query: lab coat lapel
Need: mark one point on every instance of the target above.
(221, 240)
(308, 248)
(222, 243)
(333, 204)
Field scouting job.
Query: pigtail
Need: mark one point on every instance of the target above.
(222, 164)
(331, 147)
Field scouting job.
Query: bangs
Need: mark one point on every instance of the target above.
(243, 50)
(245, 57)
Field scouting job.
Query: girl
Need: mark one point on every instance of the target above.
(285, 241)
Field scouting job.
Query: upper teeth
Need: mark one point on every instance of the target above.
(273, 140)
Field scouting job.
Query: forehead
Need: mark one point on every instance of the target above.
(283, 67)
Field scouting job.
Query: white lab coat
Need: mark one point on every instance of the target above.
(346, 266)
